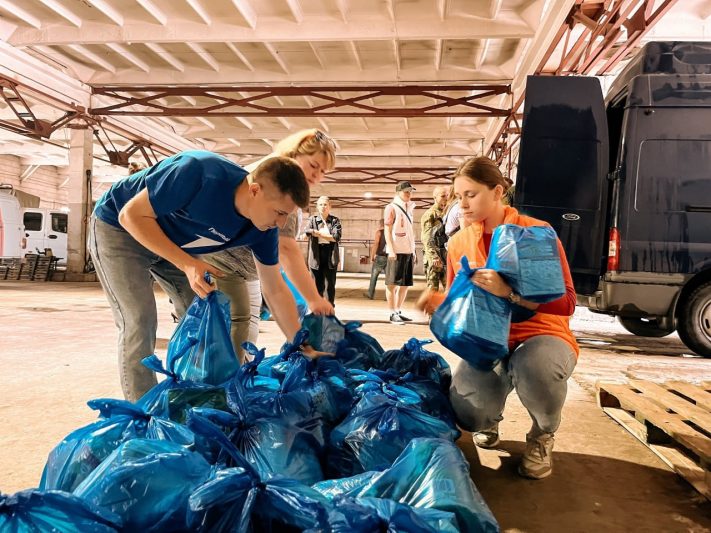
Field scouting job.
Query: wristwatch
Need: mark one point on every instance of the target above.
(514, 298)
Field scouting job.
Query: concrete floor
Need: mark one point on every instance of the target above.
(57, 352)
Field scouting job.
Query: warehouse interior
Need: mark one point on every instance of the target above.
(407, 89)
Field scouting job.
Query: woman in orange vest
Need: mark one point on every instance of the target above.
(542, 349)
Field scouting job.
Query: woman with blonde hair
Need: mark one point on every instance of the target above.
(315, 153)
(542, 350)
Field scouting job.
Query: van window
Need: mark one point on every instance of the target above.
(32, 221)
(59, 222)
(673, 175)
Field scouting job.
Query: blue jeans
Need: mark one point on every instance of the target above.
(381, 261)
(126, 271)
(538, 369)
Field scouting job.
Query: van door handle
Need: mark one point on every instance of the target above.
(51, 236)
(698, 209)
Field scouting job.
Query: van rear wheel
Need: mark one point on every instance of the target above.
(695, 320)
(644, 327)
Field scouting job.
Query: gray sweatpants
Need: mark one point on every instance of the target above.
(126, 270)
(538, 369)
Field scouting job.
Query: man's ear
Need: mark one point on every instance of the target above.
(254, 189)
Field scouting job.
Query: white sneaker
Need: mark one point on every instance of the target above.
(537, 461)
(396, 319)
(488, 438)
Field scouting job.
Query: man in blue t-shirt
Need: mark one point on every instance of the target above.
(148, 226)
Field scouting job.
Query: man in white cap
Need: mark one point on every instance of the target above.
(400, 247)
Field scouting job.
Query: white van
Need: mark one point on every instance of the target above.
(12, 237)
(46, 228)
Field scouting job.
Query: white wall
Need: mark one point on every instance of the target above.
(44, 182)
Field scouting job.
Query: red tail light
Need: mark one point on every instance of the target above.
(613, 251)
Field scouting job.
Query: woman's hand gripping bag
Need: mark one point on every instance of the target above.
(472, 323)
(528, 258)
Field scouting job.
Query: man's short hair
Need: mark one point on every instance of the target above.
(288, 178)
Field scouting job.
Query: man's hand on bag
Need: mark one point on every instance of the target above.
(195, 271)
(310, 352)
(321, 306)
(491, 282)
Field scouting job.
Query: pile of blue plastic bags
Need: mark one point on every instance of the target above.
(359, 441)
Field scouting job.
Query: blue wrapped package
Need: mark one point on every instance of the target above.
(353, 348)
(428, 396)
(473, 323)
(375, 433)
(528, 258)
(242, 500)
(413, 358)
(301, 306)
(200, 348)
(289, 350)
(269, 444)
(365, 515)
(429, 473)
(173, 397)
(147, 483)
(34, 511)
(81, 452)
(248, 374)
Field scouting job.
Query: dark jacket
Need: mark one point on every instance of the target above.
(334, 227)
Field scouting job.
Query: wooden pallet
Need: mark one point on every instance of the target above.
(673, 419)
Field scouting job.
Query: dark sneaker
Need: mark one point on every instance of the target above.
(396, 319)
(537, 461)
(404, 318)
(488, 438)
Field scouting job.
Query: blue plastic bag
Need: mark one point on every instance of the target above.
(429, 474)
(301, 306)
(413, 358)
(528, 258)
(354, 348)
(375, 433)
(147, 483)
(200, 349)
(173, 397)
(473, 323)
(81, 452)
(366, 515)
(269, 444)
(32, 511)
(242, 500)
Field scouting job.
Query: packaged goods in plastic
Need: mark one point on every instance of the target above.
(33, 511)
(429, 473)
(240, 499)
(200, 348)
(80, 452)
(528, 258)
(174, 397)
(415, 359)
(352, 347)
(375, 433)
(147, 483)
(473, 323)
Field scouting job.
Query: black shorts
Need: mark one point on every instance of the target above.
(399, 271)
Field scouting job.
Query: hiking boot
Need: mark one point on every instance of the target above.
(488, 438)
(396, 319)
(537, 461)
(404, 318)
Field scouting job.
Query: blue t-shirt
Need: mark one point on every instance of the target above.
(192, 194)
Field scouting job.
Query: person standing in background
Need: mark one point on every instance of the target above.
(378, 257)
(400, 247)
(324, 232)
(434, 255)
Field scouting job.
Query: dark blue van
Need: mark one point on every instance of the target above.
(626, 182)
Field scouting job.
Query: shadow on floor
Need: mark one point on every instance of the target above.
(586, 493)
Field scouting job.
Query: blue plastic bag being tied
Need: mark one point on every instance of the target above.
(200, 349)
(353, 348)
(473, 323)
(414, 358)
(528, 258)
(60, 512)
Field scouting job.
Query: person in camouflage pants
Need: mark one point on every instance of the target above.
(435, 267)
